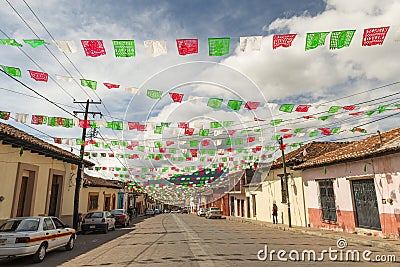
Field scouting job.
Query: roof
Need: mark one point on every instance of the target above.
(99, 182)
(365, 148)
(17, 138)
(307, 152)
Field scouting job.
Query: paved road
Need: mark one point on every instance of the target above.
(187, 240)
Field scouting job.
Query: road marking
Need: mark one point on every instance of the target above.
(195, 244)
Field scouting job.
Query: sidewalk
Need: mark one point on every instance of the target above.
(373, 241)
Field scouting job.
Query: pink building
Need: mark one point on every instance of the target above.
(356, 188)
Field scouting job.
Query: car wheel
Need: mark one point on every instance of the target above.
(40, 253)
(106, 229)
(71, 243)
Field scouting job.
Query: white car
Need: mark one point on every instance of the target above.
(201, 212)
(213, 212)
(98, 221)
(34, 236)
(150, 212)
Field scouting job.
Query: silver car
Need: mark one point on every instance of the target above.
(98, 221)
(213, 212)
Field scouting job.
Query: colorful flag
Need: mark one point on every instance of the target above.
(382, 108)
(204, 132)
(324, 118)
(218, 46)
(89, 83)
(117, 125)
(19, 117)
(84, 123)
(252, 105)
(39, 119)
(183, 125)
(325, 131)
(38, 76)
(66, 46)
(124, 48)
(302, 108)
(215, 102)
(251, 139)
(235, 104)
(194, 143)
(275, 122)
(93, 48)
(4, 115)
(158, 130)
(64, 78)
(111, 85)
(282, 40)
(11, 42)
(132, 90)
(154, 94)
(176, 97)
(340, 39)
(374, 36)
(313, 40)
(334, 109)
(298, 130)
(286, 108)
(215, 124)
(357, 129)
(313, 133)
(287, 136)
(189, 131)
(155, 48)
(187, 46)
(348, 108)
(35, 42)
(11, 71)
(250, 43)
(336, 130)
(205, 142)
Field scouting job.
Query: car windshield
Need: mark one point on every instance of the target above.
(94, 215)
(214, 208)
(117, 212)
(19, 225)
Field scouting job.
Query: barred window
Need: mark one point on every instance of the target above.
(327, 198)
(93, 201)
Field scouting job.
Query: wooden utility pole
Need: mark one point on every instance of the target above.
(81, 163)
(286, 180)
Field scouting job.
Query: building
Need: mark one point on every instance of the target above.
(38, 178)
(356, 188)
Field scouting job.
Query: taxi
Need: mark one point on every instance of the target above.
(35, 236)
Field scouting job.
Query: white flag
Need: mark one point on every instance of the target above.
(218, 132)
(150, 126)
(132, 90)
(250, 43)
(66, 46)
(19, 117)
(155, 48)
(218, 142)
(69, 141)
(64, 78)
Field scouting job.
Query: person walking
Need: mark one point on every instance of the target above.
(275, 213)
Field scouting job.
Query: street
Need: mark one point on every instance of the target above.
(188, 240)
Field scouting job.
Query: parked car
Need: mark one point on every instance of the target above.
(150, 212)
(175, 211)
(213, 212)
(157, 211)
(185, 210)
(201, 212)
(121, 217)
(98, 221)
(34, 236)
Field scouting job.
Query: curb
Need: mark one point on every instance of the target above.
(328, 234)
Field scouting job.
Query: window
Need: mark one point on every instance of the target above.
(283, 188)
(58, 223)
(327, 198)
(93, 201)
(48, 224)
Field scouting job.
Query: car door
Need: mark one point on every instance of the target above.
(50, 233)
(63, 235)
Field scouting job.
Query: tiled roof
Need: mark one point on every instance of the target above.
(365, 148)
(307, 152)
(99, 182)
(15, 137)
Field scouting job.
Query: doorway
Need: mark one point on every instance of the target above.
(107, 202)
(55, 195)
(25, 190)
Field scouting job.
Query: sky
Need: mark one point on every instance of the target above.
(319, 77)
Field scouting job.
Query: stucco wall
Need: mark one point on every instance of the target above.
(102, 191)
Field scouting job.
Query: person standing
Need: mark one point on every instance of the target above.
(275, 213)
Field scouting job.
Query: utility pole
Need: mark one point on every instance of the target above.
(81, 164)
(286, 180)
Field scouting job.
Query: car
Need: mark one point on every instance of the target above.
(150, 212)
(157, 211)
(213, 212)
(185, 211)
(201, 212)
(121, 217)
(24, 236)
(98, 221)
(175, 211)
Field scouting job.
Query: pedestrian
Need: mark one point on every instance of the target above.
(130, 213)
(275, 213)
(135, 212)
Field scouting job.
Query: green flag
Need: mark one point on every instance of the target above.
(324, 118)
(154, 94)
(286, 108)
(228, 142)
(158, 130)
(157, 144)
(335, 130)
(172, 150)
(215, 102)
(313, 40)
(140, 148)
(89, 83)
(35, 42)
(123, 143)
(313, 134)
(369, 113)
(68, 123)
(11, 71)
(194, 143)
(340, 39)
(117, 125)
(165, 124)
(334, 109)
(235, 104)
(382, 108)
(124, 48)
(276, 137)
(218, 46)
(227, 123)
(211, 152)
(10, 42)
(52, 121)
(204, 132)
(298, 130)
(215, 124)
(275, 122)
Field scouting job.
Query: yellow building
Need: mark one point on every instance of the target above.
(36, 177)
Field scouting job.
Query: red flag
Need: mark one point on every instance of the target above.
(162, 149)
(285, 130)
(257, 119)
(282, 40)
(308, 117)
(189, 131)
(282, 147)
(303, 108)
(258, 148)
(57, 140)
(167, 156)
(141, 127)
(193, 152)
(183, 125)
(231, 132)
(356, 113)
(169, 143)
(93, 48)
(251, 139)
(133, 125)
(84, 123)
(134, 143)
(325, 131)
(176, 97)
(187, 46)
(349, 107)
(252, 105)
(37, 119)
(39, 76)
(134, 156)
(111, 85)
(205, 142)
(230, 149)
(287, 135)
(374, 36)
